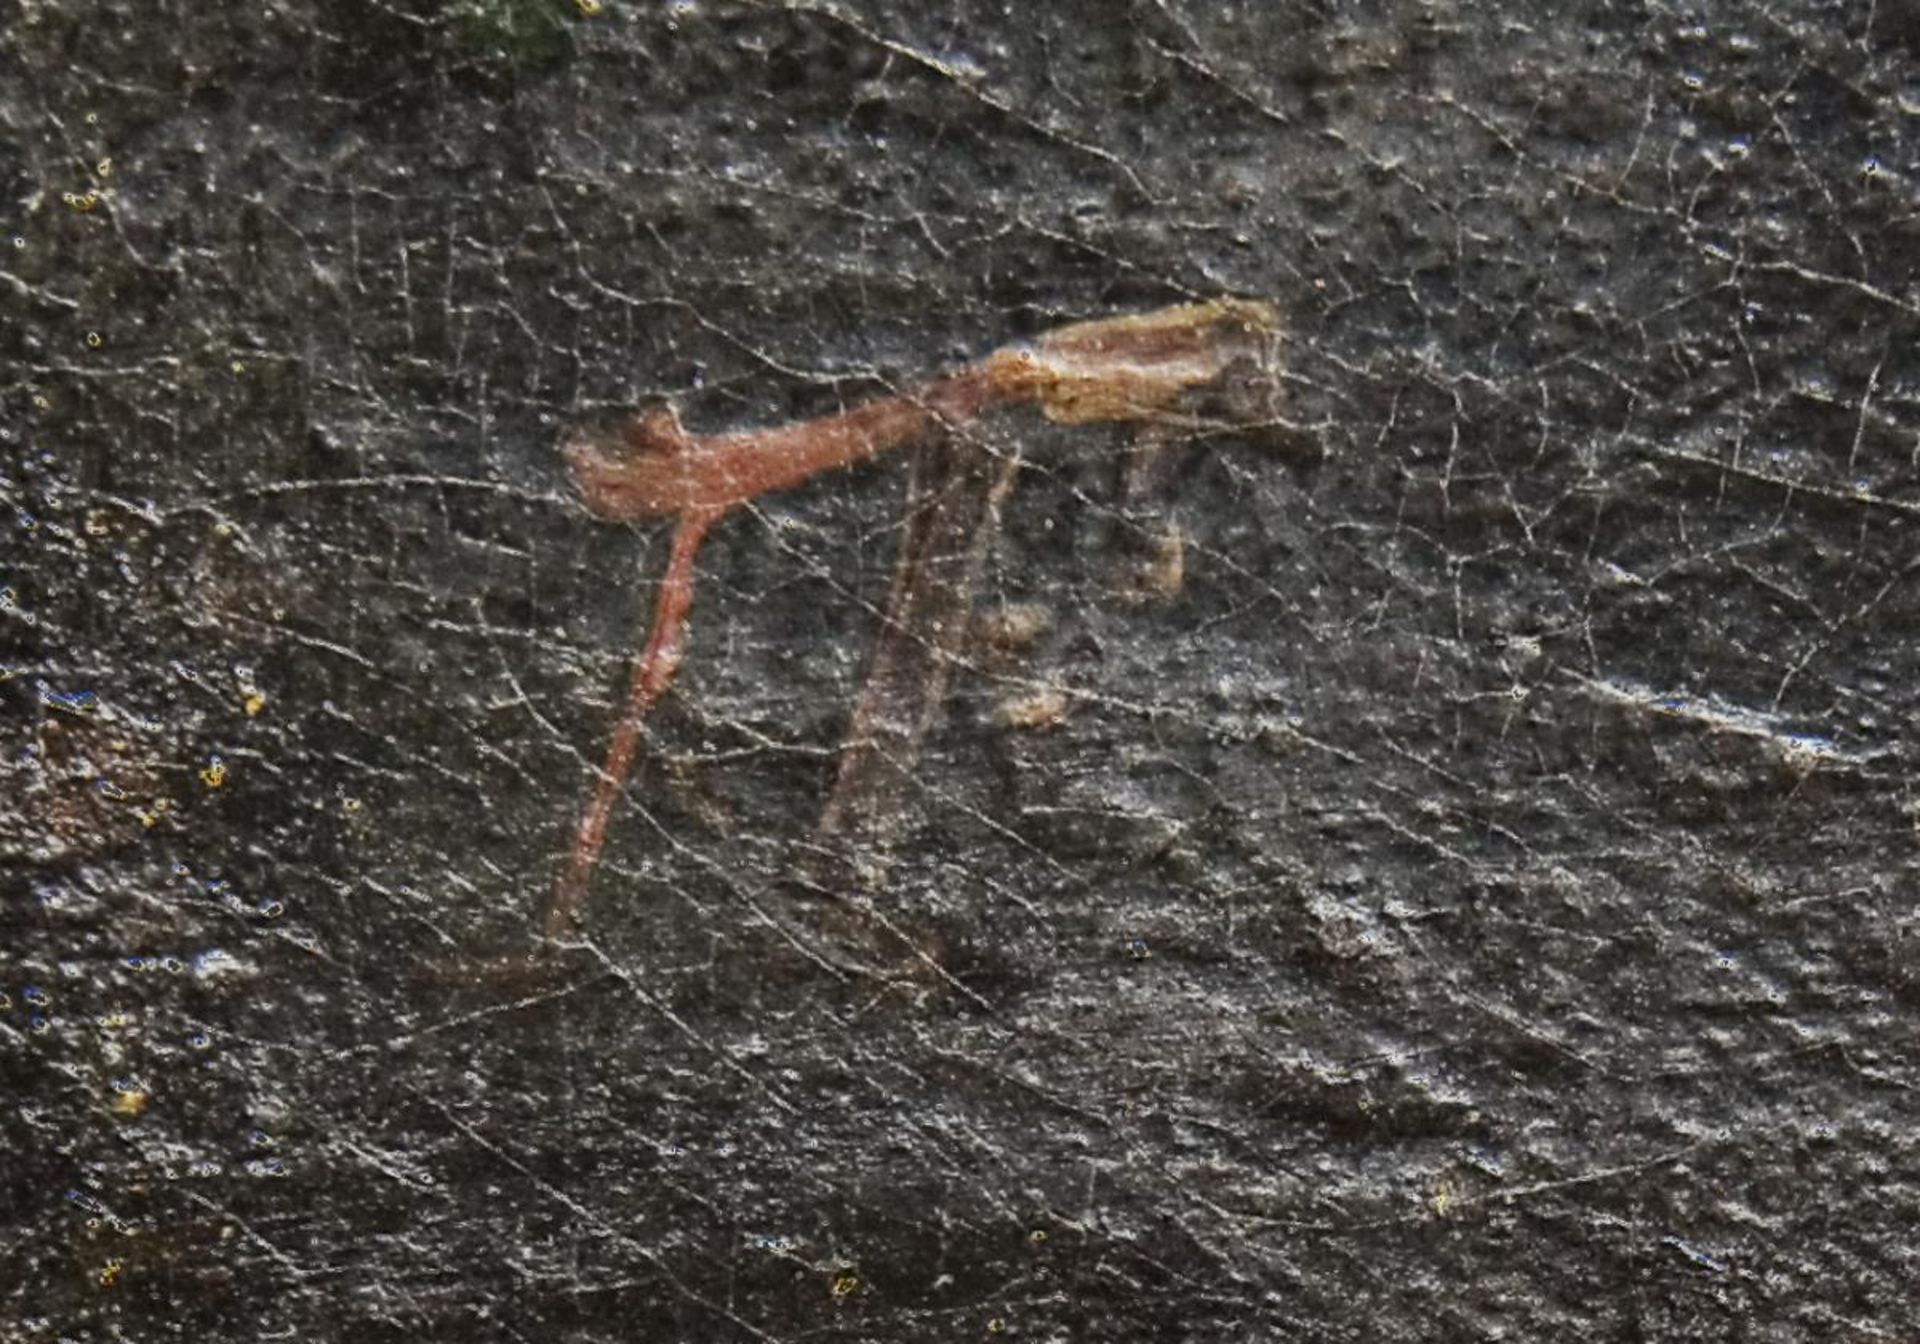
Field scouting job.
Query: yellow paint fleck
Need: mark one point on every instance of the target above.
(350, 805)
(590, 8)
(1442, 1199)
(104, 168)
(238, 367)
(1042, 709)
(1015, 625)
(110, 1273)
(845, 1284)
(94, 340)
(255, 702)
(214, 773)
(130, 1102)
(40, 402)
(996, 1326)
(79, 201)
(1166, 573)
(1038, 1236)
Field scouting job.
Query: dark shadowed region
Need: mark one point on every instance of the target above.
(1423, 848)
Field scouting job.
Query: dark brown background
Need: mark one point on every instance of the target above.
(1478, 903)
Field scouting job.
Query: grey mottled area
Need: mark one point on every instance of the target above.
(1467, 893)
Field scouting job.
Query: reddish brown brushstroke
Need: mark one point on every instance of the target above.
(1115, 369)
